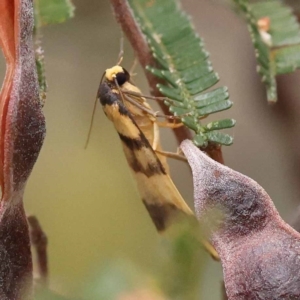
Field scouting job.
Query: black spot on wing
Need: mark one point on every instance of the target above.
(123, 110)
(134, 144)
(160, 213)
(105, 94)
(152, 168)
(108, 97)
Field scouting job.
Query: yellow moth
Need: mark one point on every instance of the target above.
(136, 124)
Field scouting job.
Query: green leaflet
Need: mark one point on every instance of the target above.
(278, 49)
(52, 11)
(185, 68)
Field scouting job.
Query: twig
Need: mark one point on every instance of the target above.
(39, 241)
(134, 35)
(215, 152)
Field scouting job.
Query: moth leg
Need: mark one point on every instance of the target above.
(147, 97)
(211, 250)
(155, 136)
(149, 111)
(169, 125)
(161, 152)
(132, 68)
(172, 155)
(141, 106)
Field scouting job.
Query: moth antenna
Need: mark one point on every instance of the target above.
(91, 124)
(121, 53)
(92, 119)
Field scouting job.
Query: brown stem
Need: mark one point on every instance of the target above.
(215, 152)
(134, 35)
(39, 241)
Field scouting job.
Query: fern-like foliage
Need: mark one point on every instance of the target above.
(277, 47)
(185, 67)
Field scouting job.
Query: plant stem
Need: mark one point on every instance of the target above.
(124, 17)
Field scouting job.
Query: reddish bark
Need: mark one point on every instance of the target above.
(21, 136)
(260, 253)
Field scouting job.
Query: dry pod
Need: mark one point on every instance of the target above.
(22, 133)
(260, 253)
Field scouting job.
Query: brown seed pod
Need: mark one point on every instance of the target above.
(260, 253)
(22, 131)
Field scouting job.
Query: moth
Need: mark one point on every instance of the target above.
(135, 123)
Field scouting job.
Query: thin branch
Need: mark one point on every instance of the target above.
(134, 35)
(215, 152)
(39, 241)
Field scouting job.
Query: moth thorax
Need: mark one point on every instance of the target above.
(110, 73)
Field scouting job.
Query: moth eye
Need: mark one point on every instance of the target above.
(122, 77)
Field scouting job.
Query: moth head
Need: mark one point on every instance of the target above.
(117, 73)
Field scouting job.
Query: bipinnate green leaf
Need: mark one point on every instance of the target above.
(276, 43)
(184, 67)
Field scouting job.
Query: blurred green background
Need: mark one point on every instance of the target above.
(86, 200)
